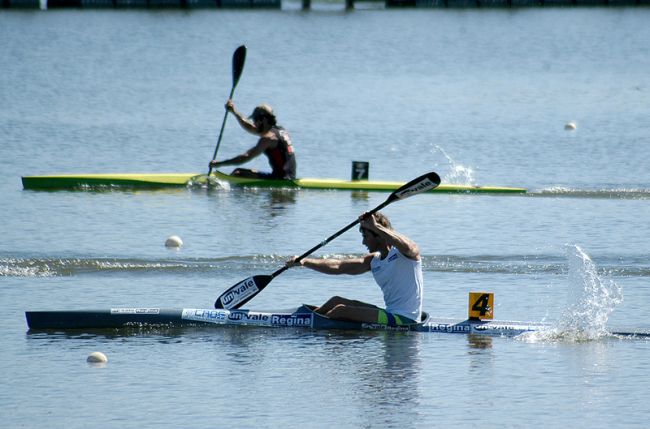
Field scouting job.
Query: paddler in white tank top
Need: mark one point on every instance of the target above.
(395, 263)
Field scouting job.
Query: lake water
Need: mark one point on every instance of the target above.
(480, 97)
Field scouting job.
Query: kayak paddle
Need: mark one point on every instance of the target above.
(245, 290)
(238, 60)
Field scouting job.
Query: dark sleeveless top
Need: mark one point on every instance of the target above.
(282, 157)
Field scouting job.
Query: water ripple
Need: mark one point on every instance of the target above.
(612, 194)
(508, 264)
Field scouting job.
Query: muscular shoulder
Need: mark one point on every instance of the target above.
(412, 253)
(268, 140)
(265, 142)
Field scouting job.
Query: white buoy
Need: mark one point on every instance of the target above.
(97, 357)
(174, 241)
(570, 126)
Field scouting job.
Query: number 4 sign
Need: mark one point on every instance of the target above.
(481, 305)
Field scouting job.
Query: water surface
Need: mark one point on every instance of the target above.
(480, 97)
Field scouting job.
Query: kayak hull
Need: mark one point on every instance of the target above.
(301, 317)
(176, 180)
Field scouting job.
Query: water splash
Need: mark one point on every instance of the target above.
(590, 301)
(12, 267)
(459, 174)
(202, 181)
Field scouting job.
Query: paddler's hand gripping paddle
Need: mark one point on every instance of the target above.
(238, 61)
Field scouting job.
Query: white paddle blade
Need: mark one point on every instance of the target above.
(423, 183)
(242, 292)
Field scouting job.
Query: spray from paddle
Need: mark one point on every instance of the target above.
(459, 174)
(203, 181)
(591, 299)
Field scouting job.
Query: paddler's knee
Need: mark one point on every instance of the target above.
(245, 172)
(335, 300)
(338, 312)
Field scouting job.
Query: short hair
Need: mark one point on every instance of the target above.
(383, 220)
(264, 111)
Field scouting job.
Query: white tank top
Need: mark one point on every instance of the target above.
(400, 279)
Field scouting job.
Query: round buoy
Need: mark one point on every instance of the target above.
(570, 126)
(174, 241)
(97, 357)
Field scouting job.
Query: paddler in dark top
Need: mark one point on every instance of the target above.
(274, 142)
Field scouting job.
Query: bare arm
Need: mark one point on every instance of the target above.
(352, 266)
(244, 122)
(405, 245)
(251, 153)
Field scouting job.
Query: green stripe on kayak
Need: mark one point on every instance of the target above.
(76, 181)
(150, 180)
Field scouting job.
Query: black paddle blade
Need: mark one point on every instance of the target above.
(242, 292)
(424, 183)
(238, 60)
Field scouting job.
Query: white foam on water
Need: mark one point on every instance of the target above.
(203, 181)
(590, 301)
(13, 267)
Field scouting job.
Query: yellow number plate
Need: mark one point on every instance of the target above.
(481, 305)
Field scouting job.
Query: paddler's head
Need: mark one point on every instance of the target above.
(373, 241)
(263, 117)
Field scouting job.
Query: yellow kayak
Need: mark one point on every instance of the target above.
(169, 180)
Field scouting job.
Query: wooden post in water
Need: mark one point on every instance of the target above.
(306, 4)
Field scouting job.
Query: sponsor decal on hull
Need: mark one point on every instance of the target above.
(382, 327)
(486, 328)
(205, 315)
(503, 328)
(291, 319)
(245, 317)
(450, 328)
(135, 311)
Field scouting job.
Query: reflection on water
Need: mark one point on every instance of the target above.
(480, 358)
(478, 342)
(383, 369)
(379, 372)
(278, 200)
(360, 196)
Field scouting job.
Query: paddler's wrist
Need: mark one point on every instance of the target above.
(295, 262)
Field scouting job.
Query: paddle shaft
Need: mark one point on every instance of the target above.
(424, 182)
(238, 60)
(242, 292)
(223, 125)
(332, 237)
